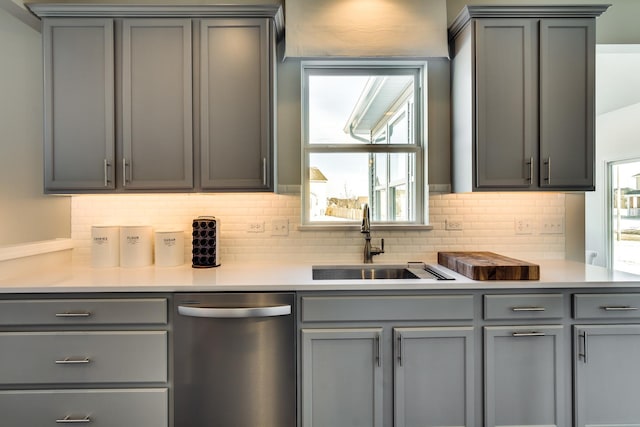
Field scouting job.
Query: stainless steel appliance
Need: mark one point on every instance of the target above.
(234, 360)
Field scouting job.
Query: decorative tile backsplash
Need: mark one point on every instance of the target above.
(523, 225)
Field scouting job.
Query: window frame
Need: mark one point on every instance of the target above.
(418, 148)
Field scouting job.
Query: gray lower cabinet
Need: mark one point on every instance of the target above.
(100, 408)
(433, 377)
(524, 376)
(342, 377)
(236, 113)
(157, 145)
(79, 122)
(607, 375)
(382, 360)
(98, 361)
(523, 88)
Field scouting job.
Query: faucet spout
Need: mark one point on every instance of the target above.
(365, 228)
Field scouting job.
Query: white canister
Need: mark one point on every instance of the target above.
(169, 248)
(136, 246)
(105, 246)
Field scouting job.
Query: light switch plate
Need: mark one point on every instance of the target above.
(280, 227)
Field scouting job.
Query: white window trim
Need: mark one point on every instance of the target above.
(419, 148)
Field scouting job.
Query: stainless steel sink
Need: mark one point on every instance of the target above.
(377, 272)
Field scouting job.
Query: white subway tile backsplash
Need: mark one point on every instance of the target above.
(488, 224)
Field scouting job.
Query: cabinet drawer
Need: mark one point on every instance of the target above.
(99, 408)
(83, 357)
(84, 311)
(381, 308)
(603, 306)
(530, 306)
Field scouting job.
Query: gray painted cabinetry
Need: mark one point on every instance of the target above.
(606, 360)
(81, 361)
(389, 360)
(523, 83)
(159, 104)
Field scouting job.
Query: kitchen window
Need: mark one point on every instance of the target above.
(362, 143)
(624, 215)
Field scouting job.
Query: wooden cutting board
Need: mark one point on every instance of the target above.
(488, 266)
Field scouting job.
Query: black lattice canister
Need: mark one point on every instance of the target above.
(205, 238)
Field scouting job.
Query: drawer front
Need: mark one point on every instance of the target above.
(381, 308)
(97, 408)
(84, 311)
(604, 306)
(529, 306)
(83, 357)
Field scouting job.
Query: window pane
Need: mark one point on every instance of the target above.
(380, 170)
(350, 108)
(626, 216)
(399, 130)
(338, 186)
(398, 167)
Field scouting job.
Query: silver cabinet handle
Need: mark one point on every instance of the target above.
(618, 308)
(74, 314)
(400, 349)
(70, 420)
(528, 334)
(378, 350)
(73, 361)
(517, 309)
(223, 313)
(124, 172)
(264, 171)
(530, 163)
(106, 172)
(548, 163)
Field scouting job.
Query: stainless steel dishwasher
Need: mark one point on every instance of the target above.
(234, 360)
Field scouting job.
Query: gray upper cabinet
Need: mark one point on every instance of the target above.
(156, 104)
(236, 74)
(523, 98)
(159, 98)
(79, 140)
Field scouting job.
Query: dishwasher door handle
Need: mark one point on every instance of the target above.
(226, 313)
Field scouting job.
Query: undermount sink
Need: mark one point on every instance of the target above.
(377, 272)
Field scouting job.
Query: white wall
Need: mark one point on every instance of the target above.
(25, 213)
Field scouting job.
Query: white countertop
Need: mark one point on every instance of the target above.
(69, 277)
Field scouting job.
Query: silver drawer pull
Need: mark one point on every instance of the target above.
(69, 420)
(618, 308)
(528, 334)
(73, 361)
(74, 314)
(528, 308)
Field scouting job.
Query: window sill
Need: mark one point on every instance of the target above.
(353, 227)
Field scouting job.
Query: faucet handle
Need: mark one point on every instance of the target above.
(380, 250)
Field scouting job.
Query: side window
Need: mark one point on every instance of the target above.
(362, 143)
(625, 215)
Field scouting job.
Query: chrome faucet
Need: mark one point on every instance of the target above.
(365, 229)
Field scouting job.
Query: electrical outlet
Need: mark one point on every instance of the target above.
(280, 227)
(524, 225)
(453, 224)
(255, 227)
(552, 225)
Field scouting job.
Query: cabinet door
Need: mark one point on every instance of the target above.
(434, 374)
(78, 104)
(567, 85)
(524, 376)
(342, 377)
(235, 113)
(607, 375)
(506, 100)
(156, 104)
